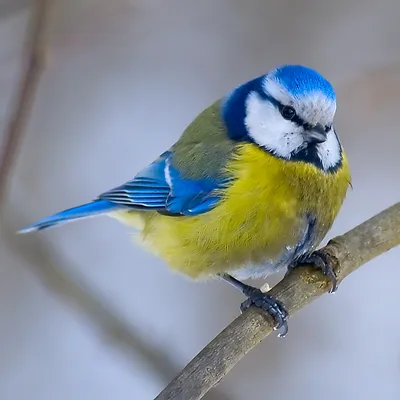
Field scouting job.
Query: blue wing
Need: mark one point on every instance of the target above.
(183, 181)
(161, 187)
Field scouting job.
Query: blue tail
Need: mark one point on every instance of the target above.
(83, 211)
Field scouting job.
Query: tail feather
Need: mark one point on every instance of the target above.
(84, 211)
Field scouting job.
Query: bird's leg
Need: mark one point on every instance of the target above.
(262, 300)
(323, 262)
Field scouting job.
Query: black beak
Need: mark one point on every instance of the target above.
(316, 134)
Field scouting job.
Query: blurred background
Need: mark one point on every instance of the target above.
(123, 78)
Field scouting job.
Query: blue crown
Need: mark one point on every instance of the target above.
(301, 81)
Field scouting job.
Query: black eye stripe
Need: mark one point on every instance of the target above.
(296, 119)
(300, 122)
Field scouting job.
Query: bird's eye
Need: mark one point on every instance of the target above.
(288, 112)
(327, 128)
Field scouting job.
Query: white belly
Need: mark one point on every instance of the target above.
(255, 271)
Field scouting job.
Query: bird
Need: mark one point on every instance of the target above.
(251, 187)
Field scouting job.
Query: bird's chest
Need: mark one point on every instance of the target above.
(272, 210)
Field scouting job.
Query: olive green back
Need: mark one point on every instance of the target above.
(204, 147)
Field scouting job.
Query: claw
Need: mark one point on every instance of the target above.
(271, 306)
(245, 305)
(261, 300)
(323, 262)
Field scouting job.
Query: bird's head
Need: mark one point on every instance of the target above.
(288, 112)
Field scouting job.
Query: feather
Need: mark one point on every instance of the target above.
(84, 211)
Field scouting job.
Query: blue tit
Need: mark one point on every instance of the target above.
(251, 187)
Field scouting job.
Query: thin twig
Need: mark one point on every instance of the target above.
(62, 282)
(349, 251)
(113, 327)
(35, 58)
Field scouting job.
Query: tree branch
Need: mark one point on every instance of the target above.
(349, 251)
(36, 42)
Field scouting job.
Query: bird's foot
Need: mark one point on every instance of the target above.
(270, 305)
(323, 262)
(262, 300)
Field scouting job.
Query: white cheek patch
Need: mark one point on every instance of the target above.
(269, 129)
(329, 152)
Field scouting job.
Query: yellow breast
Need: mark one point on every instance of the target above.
(260, 213)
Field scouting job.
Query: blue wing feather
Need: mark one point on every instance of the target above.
(161, 187)
(171, 185)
